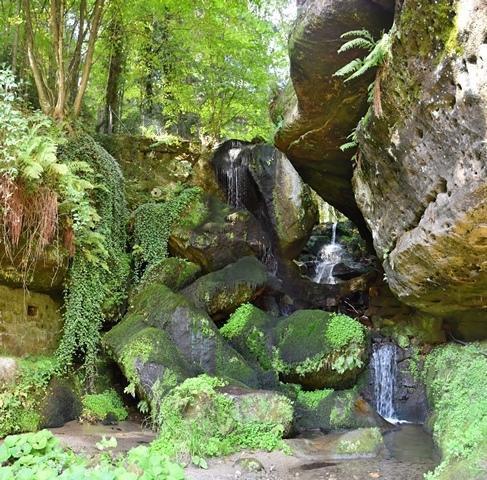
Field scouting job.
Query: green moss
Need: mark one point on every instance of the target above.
(96, 407)
(312, 399)
(457, 391)
(21, 399)
(432, 26)
(317, 342)
(245, 329)
(197, 420)
(364, 441)
(341, 415)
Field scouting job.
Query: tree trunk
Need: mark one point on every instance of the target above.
(112, 95)
(97, 15)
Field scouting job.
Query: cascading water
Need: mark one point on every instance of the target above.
(385, 372)
(328, 257)
(233, 174)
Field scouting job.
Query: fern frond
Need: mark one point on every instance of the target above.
(356, 43)
(358, 33)
(348, 146)
(349, 68)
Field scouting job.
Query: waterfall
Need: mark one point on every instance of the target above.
(328, 257)
(233, 173)
(385, 372)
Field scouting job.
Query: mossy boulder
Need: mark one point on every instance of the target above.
(319, 349)
(164, 338)
(207, 416)
(249, 330)
(214, 235)
(221, 292)
(331, 410)
(454, 376)
(173, 272)
(420, 182)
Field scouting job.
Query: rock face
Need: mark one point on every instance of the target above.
(221, 292)
(165, 339)
(318, 111)
(261, 179)
(421, 177)
(213, 235)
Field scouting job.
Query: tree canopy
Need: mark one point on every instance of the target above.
(184, 67)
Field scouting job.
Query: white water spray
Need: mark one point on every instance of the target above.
(328, 256)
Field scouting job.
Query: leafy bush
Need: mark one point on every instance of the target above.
(97, 406)
(40, 456)
(19, 400)
(196, 420)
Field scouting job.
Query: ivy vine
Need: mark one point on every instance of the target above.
(99, 272)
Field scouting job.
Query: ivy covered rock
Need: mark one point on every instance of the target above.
(213, 234)
(175, 273)
(221, 292)
(318, 349)
(249, 330)
(206, 416)
(420, 182)
(164, 339)
(318, 111)
(262, 179)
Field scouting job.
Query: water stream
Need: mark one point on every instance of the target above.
(385, 372)
(328, 257)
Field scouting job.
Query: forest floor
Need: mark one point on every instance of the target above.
(409, 453)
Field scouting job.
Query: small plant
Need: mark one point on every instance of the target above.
(379, 54)
(96, 407)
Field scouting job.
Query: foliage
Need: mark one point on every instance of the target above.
(100, 268)
(39, 191)
(40, 455)
(20, 399)
(196, 420)
(312, 399)
(457, 391)
(379, 54)
(97, 406)
(152, 228)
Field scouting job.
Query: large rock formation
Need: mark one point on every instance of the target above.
(261, 179)
(318, 111)
(421, 177)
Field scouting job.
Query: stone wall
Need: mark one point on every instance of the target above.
(30, 323)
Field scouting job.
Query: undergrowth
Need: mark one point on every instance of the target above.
(40, 456)
(457, 391)
(20, 398)
(98, 406)
(196, 420)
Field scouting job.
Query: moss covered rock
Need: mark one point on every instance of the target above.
(164, 339)
(175, 273)
(221, 292)
(249, 330)
(331, 410)
(318, 349)
(213, 234)
(457, 391)
(205, 416)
